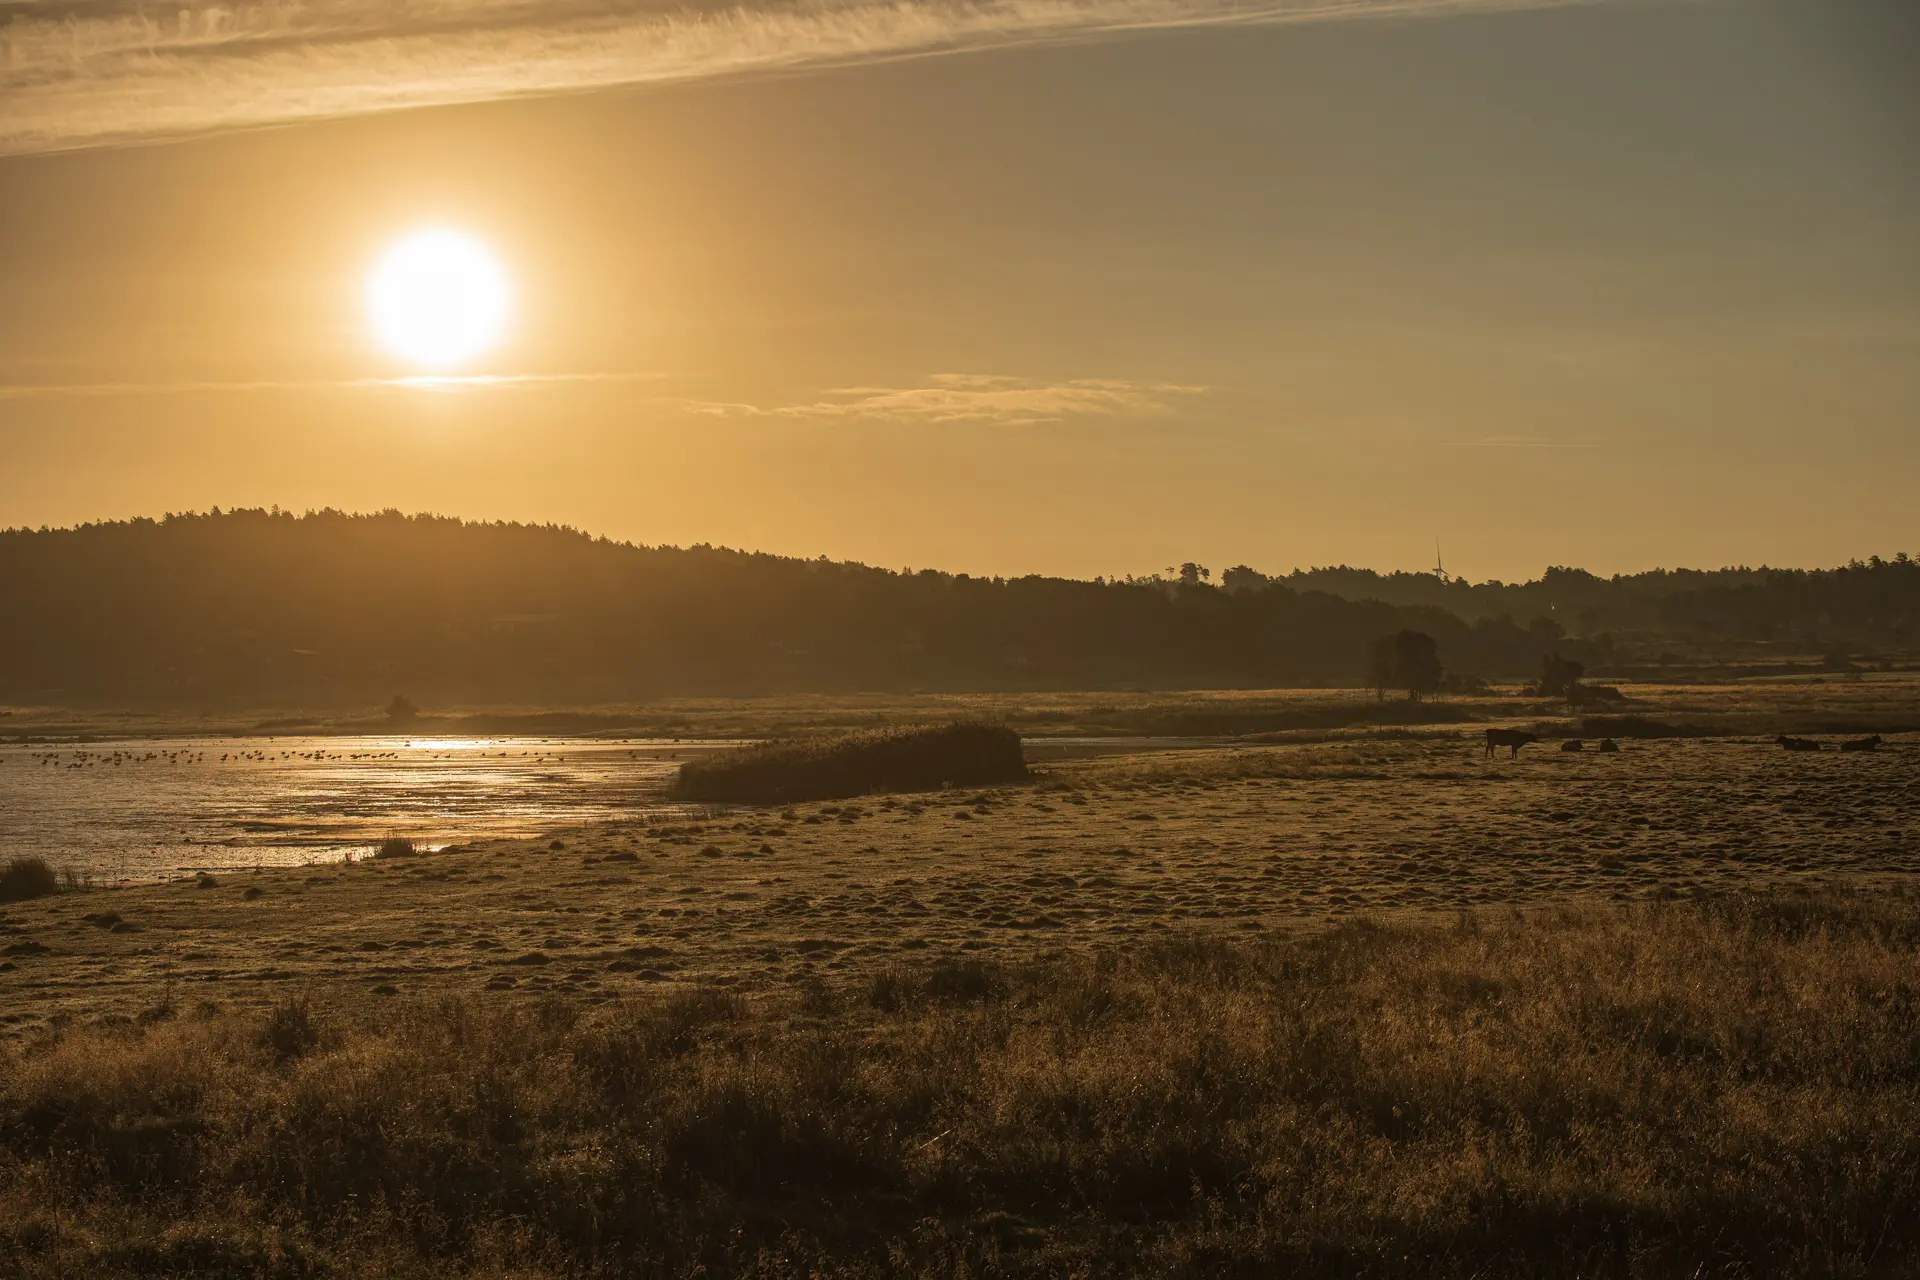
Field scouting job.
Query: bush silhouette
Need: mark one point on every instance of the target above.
(1559, 676)
(24, 878)
(855, 764)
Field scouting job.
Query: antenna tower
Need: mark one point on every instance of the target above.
(1439, 566)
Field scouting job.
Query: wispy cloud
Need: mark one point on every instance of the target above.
(437, 382)
(77, 73)
(971, 397)
(1520, 442)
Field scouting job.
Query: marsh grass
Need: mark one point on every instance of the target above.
(24, 878)
(1726, 1088)
(836, 766)
(1350, 759)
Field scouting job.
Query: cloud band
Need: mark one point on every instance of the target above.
(972, 397)
(80, 73)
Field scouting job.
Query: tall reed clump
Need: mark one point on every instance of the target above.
(830, 767)
(24, 878)
(1681, 1090)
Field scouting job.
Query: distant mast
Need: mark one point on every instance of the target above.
(1439, 566)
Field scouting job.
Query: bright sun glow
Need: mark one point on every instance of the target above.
(437, 298)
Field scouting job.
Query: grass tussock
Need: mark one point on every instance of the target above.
(1719, 1089)
(922, 758)
(395, 847)
(24, 878)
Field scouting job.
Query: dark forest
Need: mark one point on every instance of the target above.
(331, 609)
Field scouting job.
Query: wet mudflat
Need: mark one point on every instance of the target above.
(149, 809)
(1096, 853)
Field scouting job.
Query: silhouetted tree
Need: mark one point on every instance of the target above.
(1418, 657)
(1559, 675)
(1383, 666)
(1407, 660)
(1241, 578)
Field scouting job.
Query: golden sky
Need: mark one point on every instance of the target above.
(1099, 288)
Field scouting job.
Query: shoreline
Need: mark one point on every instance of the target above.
(1100, 852)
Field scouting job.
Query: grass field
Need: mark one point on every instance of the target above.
(1865, 702)
(1375, 1005)
(1096, 852)
(1728, 1088)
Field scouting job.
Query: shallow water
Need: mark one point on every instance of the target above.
(146, 809)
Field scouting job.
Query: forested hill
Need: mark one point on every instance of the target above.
(1866, 603)
(329, 609)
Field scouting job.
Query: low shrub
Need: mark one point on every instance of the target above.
(394, 847)
(24, 878)
(1594, 695)
(831, 767)
(291, 1030)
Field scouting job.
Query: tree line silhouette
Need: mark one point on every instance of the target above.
(256, 607)
(1872, 603)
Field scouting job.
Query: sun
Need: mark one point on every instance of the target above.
(437, 298)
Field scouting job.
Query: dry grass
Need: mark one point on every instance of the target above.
(1367, 1007)
(24, 878)
(1825, 703)
(1097, 855)
(1729, 1088)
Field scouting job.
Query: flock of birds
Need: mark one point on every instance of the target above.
(83, 758)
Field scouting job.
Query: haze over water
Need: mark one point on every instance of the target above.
(144, 809)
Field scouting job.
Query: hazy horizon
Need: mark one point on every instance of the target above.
(1118, 285)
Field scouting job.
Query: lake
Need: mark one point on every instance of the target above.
(146, 809)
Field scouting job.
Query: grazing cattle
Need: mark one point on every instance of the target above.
(1515, 738)
(1609, 746)
(1862, 744)
(1572, 744)
(1797, 744)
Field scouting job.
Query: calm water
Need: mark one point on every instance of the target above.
(143, 809)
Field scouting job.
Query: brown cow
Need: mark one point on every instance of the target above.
(1573, 744)
(1515, 738)
(1862, 744)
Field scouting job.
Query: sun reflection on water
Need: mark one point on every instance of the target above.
(137, 809)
